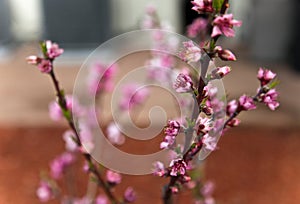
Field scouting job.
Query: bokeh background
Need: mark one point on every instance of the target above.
(256, 163)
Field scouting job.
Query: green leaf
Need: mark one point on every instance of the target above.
(217, 4)
(44, 48)
(274, 83)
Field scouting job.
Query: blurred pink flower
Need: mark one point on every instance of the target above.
(198, 26)
(203, 125)
(231, 107)
(33, 60)
(45, 66)
(202, 6)
(60, 163)
(70, 144)
(224, 25)
(113, 177)
(44, 192)
(129, 195)
(133, 95)
(101, 200)
(114, 135)
(159, 169)
(209, 142)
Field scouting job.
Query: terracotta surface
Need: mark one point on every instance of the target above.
(252, 166)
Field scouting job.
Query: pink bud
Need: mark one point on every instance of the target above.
(220, 72)
(34, 60)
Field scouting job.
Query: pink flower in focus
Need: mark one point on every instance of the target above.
(183, 83)
(270, 99)
(53, 49)
(113, 177)
(190, 52)
(246, 103)
(159, 169)
(231, 107)
(198, 26)
(220, 72)
(114, 135)
(45, 66)
(101, 200)
(172, 128)
(178, 167)
(224, 25)
(203, 125)
(225, 55)
(129, 195)
(265, 76)
(202, 6)
(44, 192)
(60, 163)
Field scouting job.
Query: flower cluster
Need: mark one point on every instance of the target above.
(51, 51)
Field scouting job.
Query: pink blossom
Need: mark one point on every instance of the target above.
(129, 195)
(55, 111)
(69, 139)
(53, 50)
(45, 66)
(270, 99)
(114, 135)
(198, 26)
(265, 76)
(231, 107)
(172, 128)
(168, 142)
(208, 189)
(246, 103)
(60, 163)
(159, 169)
(101, 78)
(33, 60)
(133, 95)
(183, 83)
(101, 200)
(174, 189)
(203, 125)
(209, 142)
(44, 192)
(150, 9)
(234, 122)
(203, 6)
(220, 72)
(190, 52)
(225, 55)
(178, 167)
(224, 25)
(113, 177)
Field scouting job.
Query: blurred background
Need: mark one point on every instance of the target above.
(257, 162)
